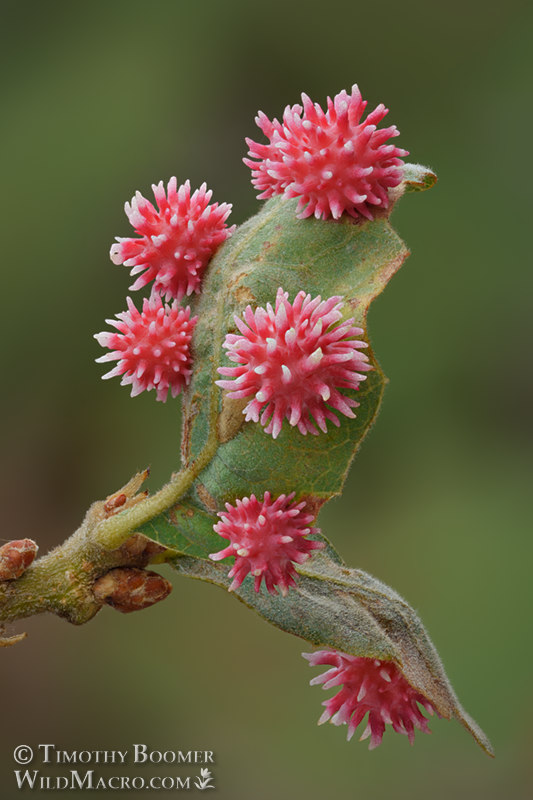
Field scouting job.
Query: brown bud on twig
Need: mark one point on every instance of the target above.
(114, 502)
(130, 589)
(16, 557)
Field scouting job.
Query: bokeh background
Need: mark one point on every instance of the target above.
(100, 99)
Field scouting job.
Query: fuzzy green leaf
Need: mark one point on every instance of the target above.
(332, 606)
(273, 249)
(349, 610)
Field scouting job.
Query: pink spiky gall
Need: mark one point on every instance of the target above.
(369, 686)
(293, 360)
(267, 538)
(333, 161)
(178, 238)
(152, 347)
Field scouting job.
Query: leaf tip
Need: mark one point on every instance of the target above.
(473, 728)
(417, 178)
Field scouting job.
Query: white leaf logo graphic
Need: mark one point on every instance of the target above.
(203, 780)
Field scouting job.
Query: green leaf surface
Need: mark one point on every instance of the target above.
(332, 606)
(187, 528)
(352, 259)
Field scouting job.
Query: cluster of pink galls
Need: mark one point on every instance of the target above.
(292, 360)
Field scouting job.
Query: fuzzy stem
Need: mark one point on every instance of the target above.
(61, 582)
(113, 531)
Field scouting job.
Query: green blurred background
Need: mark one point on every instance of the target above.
(100, 99)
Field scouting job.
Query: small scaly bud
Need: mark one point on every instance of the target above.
(16, 557)
(129, 589)
(113, 503)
